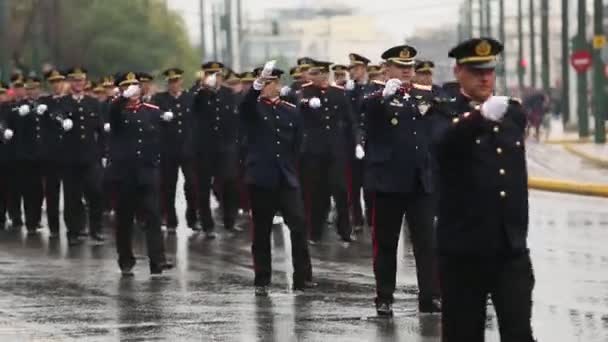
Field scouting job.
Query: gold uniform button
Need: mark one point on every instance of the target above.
(38, 136)
(496, 129)
(80, 109)
(327, 127)
(518, 143)
(83, 136)
(414, 132)
(503, 194)
(502, 172)
(327, 117)
(455, 120)
(217, 118)
(179, 114)
(394, 121)
(478, 141)
(265, 118)
(179, 131)
(498, 150)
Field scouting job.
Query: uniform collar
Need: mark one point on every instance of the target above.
(273, 101)
(134, 106)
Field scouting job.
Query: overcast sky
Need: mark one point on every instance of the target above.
(398, 18)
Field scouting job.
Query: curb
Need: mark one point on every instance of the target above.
(587, 156)
(569, 187)
(568, 141)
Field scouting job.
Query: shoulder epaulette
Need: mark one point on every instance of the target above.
(308, 84)
(378, 82)
(288, 104)
(149, 105)
(422, 87)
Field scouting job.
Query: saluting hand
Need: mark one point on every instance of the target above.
(24, 110)
(495, 107)
(41, 109)
(8, 134)
(131, 91)
(391, 87)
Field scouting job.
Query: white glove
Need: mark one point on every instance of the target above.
(211, 80)
(495, 107)
(131, 91)
(268, 68)
(359, 152)
(8, 134)
(167, 116)
(350, 85)
(104, 162)
(107, 128)
(314, 103)
(391, 87)
(24, 110)
(258, 84)
(285, 90)
(41, 109)
(67, 124)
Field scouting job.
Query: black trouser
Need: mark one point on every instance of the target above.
(389, 209)
(357, 177)
(169, 173)
(324, 177)
(138, 192)
(222, 168)
(15, 195)
(465, 285)
(30, 186)
(264, 205)
(4, 192)
(52, 172)
(82, 180)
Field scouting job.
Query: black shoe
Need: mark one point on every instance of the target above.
(97, 237)
(429, 306)
(172, 230)
(74, 241)
(303, 286)
(384, 309)
(210, 235)
(195, 227)
(32, 232)
(156, 269)
(127, 271)
(261, 291)
(167, 265)
(54, 235)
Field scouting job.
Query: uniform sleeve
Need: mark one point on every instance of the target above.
(247, 108)
(372, 103)
(351, 122)
(115, 112)
(458, 132)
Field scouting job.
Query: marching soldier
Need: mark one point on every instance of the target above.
(374, 73)
(483, 215)
(356, 89)
(15, 196)
(216, 146)
(328, 126)
(275, 132)
(53, 139)
(340, 74)
(135, 153)
(400, 175)
(177, 149)
(83, 125)
(300, 76)
(6, 135)
(26, 121)
(145, 80)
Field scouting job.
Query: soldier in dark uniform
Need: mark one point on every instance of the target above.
(216, 146)
(356, 89)
(177, 149)
(451, 89)
(328, 126)
(15, 195)
(6, 135)
(483, 217)
(247, 79)
(83, 126)
(275, 134)
(109, 188)
(374, 73)
(300, 76)
(399, 172)
(26, 120)
(135, 154)
(53, 138)
(145, 80)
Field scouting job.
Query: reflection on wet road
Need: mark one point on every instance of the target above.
(51, 293)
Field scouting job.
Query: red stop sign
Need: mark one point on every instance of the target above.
(581, 61)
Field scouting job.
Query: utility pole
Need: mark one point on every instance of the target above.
(503, 39)
(469, 18)
(532, 38)
(599, 40)
(4, 53)
(214, 12)
(565, 94)
(544, 45)
(581, 78)
(482, 30)
(488, 19)
(201, 10)
(520, 49)
(227, 26)
(240, 32)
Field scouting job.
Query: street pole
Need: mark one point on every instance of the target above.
(532, 38)
(228, 29)
(469, 18)
(520, 48)
(581, 78)
(488, 19)
(565, 94)
(503, 38)
(482, 30)
(214, 13)
(598, 72)
(202, 19)
(544, 46)
(4, 52)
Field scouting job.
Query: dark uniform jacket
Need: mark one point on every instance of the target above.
(398, 139)
(6, 147)
(216, 121)
(53, 130)
(294, 92)
(329, 129)
(82, 144)
(135, 138)
(356, 97)
(28, 139)
(484, 184)
(274, 137)
(176, 135)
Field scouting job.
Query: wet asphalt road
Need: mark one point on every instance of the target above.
(51, 293)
